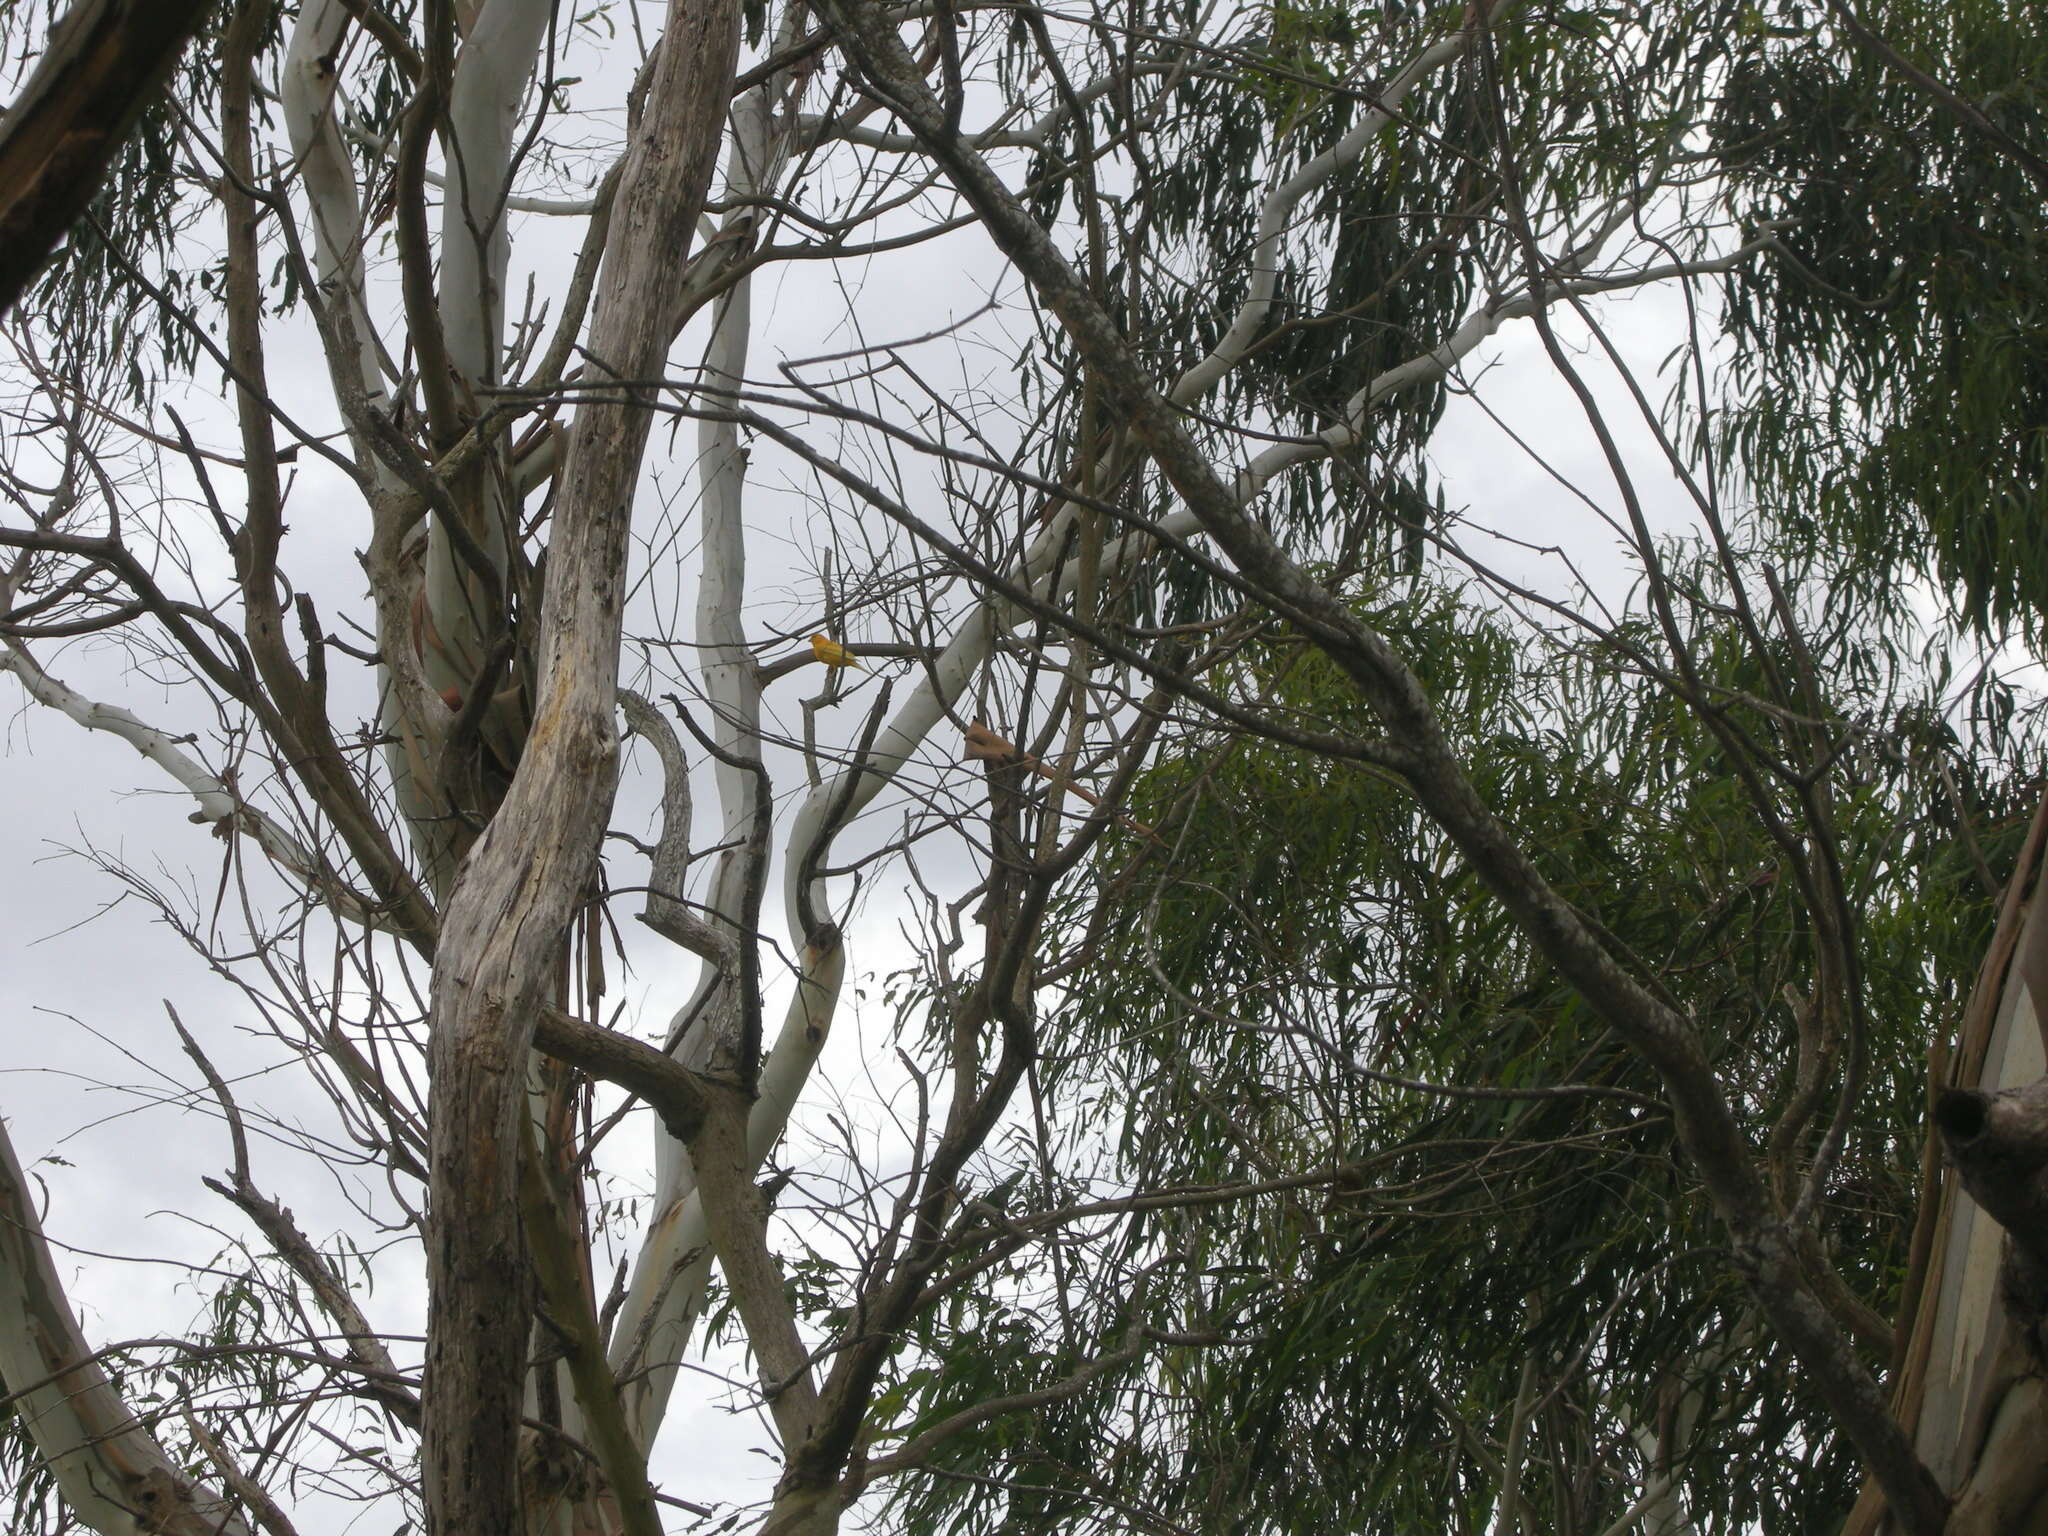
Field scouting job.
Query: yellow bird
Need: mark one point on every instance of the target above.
(833, 654)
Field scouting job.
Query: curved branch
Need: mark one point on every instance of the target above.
(110, 1468)
(220, 805)
(1278, 211)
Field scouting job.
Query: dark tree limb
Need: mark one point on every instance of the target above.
(1999, 1144)
(672, 1089)
(105, 62)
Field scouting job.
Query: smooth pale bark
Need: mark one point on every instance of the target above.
(109, 1467)
(675, 1258)
(737, 1218)
(307, 91)
(669, 1272)
(527, 875)
(492, 73)
(291, 707)
(218, 804)
(412, 718)
(1276, 217)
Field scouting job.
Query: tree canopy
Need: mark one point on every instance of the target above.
(1362, 943)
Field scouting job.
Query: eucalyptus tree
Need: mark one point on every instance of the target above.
(1513, 1302)
(1233, 263)
(1910, 205)
(1907, 307)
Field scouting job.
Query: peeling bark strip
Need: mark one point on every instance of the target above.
(1764, 1243)
(105, 60)
(112, 1472)
(517, 891)
(1961, 1349)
